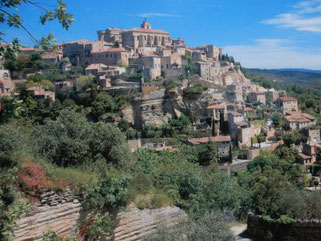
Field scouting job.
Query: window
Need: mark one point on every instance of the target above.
(151, 59)
(151, 66)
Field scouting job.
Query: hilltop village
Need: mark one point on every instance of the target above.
(137, 119)
(167, 79)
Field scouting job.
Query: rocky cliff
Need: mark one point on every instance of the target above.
(62, 213)
(156, 105)
(58, 212)
(134, 224)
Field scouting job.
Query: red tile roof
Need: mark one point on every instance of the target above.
(143, 30)
(284, 99)
(241, 123)
(216, 107)
(246, 109)
(300, 117)
(204, 140)
(258, 92)
(235, 113)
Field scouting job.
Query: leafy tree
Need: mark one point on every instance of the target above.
(9, 16)
(111, 191)
(276, 119)
(289, 139)
(65, 140)
(102, 104)
(260, 138)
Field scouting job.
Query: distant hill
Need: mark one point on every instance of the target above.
(301, 70)
(304, 77)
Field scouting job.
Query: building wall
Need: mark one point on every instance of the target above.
(151, 66)
(290, 106)
(110, 58)
(246, 134)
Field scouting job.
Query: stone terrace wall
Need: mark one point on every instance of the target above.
(57, 211)
(301, 230)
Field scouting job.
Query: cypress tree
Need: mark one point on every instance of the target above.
(222, 122)
(230, 154)
(213, 127)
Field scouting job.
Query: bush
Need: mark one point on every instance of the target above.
(110, 191)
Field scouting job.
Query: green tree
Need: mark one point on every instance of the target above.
(289, 139)
(9, 15)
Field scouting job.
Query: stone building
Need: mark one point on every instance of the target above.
(299, 121)
(312, 134)
(246, 133)
(79, 52)
(110, 35)
(208, 69)
(256, 97)
(213, 52)
(41, 93)
(199, 55)
(288, 104)
(145, 36)
(221, 142)
(6, 84)
(150, 65)
(111, 56)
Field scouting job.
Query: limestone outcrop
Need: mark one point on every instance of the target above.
(62, 213)
(61, 218)
(135, 224)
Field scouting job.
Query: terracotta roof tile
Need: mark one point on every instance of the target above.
(285, 99)
(216, 107)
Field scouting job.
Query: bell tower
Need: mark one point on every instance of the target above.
(146, 25)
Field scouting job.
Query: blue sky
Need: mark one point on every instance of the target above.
(258, 33)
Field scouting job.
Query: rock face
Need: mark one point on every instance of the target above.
(61, 218)
(135, 224)
(62, 213)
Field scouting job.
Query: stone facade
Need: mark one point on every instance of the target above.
(256, 97)
(6, 85)
(111, 56)
(150, 65)
(288, 104)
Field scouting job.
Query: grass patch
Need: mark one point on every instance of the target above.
(143, 194)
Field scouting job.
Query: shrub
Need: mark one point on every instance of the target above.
(111, 191)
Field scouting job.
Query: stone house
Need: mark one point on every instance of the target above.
(256, 97)
(272, 94)
(150, 65)
(111, 56)
(178, 43)
(170, 60)
(299, 120)
(52, 57)
(40, 93)
(95, 68)
(237, 92)
(221, 142)
(199, 55)
(312, 134)
(208, 69)
(246, 133)
(288, 104)
(6, 84)
(213, 52)
(79, 52)
(308, 156)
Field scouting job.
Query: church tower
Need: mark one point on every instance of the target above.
(146, 25)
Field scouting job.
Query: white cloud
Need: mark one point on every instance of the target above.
(147, 15)
(302, 18)
(274, 54)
